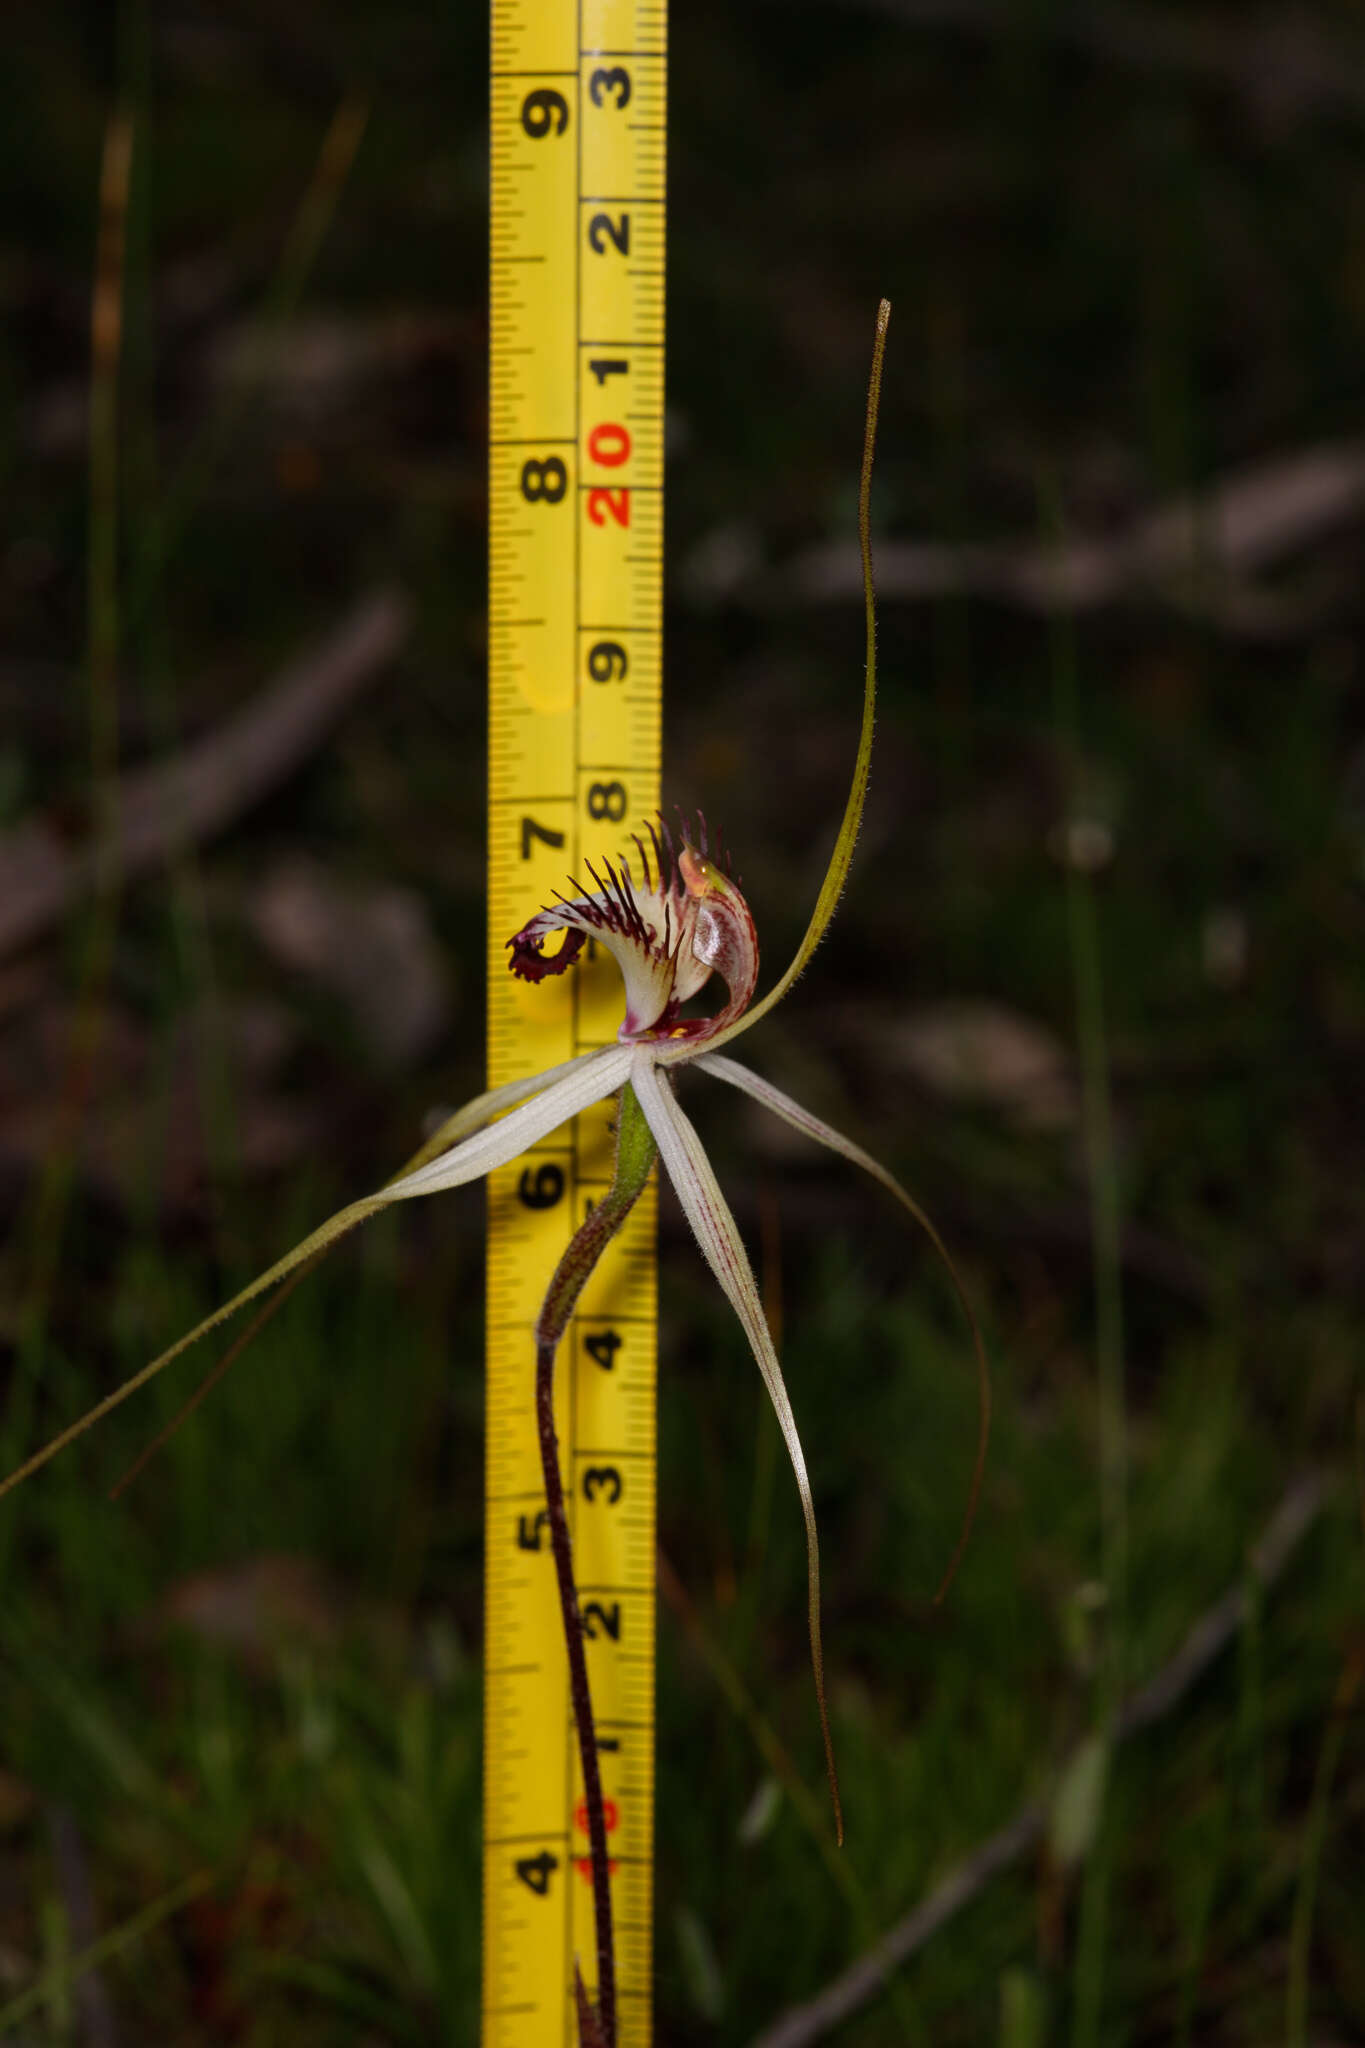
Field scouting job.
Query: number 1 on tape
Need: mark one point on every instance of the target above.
(575, 580)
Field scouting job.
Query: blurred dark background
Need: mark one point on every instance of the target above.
(1096, 992)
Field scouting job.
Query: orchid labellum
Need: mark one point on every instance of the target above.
(675, 922)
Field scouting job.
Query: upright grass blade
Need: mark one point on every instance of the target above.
(108, 617)
(43, 1237)
(842, 1869)
(106, 1948)
(1101, 1160)
(303, 243)
(1314, 1841)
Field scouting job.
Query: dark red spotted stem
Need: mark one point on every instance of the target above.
(635, 1156)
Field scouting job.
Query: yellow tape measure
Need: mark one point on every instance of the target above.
(575, 584)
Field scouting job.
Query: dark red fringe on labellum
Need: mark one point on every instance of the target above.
(614, 908)
(532, 965)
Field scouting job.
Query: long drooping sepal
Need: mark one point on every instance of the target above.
(840, 861)
(716, 1231)
(800, 1119)
(583, 1082)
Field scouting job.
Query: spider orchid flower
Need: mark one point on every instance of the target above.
(672, 926)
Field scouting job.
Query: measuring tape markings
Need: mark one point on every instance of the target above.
(576, 421)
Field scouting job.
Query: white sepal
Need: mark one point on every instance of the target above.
(716, 1231)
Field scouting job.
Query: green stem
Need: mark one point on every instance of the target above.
(635, 1156)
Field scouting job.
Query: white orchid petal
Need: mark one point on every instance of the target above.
(481, 1110)
(716, 1231)
(573, 1086)
(801, 1119)
(589, 1078)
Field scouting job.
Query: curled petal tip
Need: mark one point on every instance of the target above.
(529, 963)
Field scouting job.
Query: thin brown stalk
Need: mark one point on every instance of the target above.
(635, 1153)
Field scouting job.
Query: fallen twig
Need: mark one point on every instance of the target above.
(1209, 1637)
(199, 792)
(1199, 553)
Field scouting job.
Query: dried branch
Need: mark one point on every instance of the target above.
(204, 789)
(1199, 554)
(1299, 1508)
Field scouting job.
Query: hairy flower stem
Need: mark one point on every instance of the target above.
(635, 1155)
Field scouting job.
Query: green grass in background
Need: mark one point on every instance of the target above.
(248, 1690)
